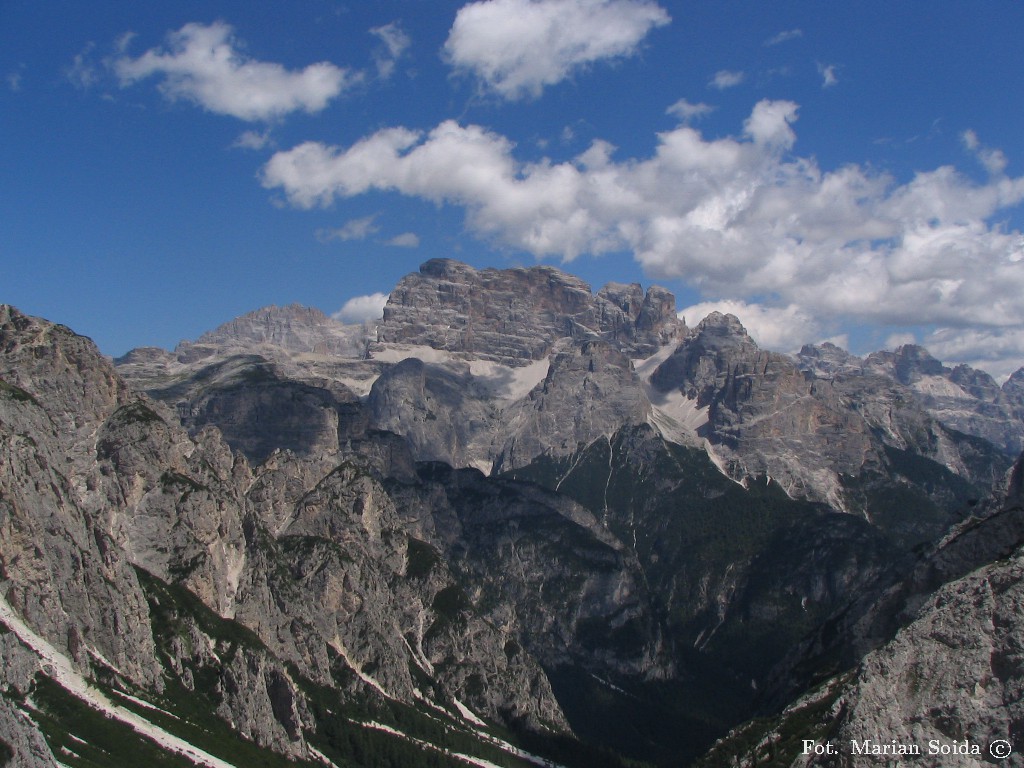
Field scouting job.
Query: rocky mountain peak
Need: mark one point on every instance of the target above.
(722, 332)
(1014, 386)
(293, 328)
(515, 316)
(827, 359)
(908, 364)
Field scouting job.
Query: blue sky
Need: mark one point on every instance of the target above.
(847, 171)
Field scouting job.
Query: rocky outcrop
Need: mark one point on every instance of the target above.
(515, 316)
(444, 411)
(542, 568)
(765, 416)
(293, 328)
(962, 398)
(954, 675)
(590, 391)
(827, 431)
(163, 560)
(61, 565)
(286, 532)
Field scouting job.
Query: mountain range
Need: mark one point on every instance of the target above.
(515, 522)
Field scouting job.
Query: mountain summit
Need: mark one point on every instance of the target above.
(515, 523)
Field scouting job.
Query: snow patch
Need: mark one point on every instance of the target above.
(59, 668)
(675, 416)
(145, 704)
(320, 756)
(507, 383)
(467, 714)
(720, 463)
(358, 669)
(939, 386)
(360, 386)
(500, 382)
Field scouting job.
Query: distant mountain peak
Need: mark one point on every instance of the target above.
(515, 316)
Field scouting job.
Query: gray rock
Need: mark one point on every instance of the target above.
(515, 316)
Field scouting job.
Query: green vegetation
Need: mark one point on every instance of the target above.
(172, 606)
(699, 538)
(338, 717)
(339, 735)
(136, 413)
(777, 741)
(925, 499)
(17, 394)
(82, 737)
(420, 559)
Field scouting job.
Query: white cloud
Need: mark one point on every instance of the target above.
(202, 65)
(725, 78)
(253, 140)
(83, 73)
(518, 47)
(900, 339)
(688, 112)
(993, 160)
(405, 240)
(361, 309)
(736, 217)
(395, 42)
(996, 350)
(13, 80)
(354, 229)
(784, 329)
(828, 75)
(784, 37)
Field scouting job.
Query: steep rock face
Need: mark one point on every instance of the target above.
(541, 568)
(962, 398)
(734, 576)
(514, 316)
(21, 745)
(933, 656)
(294, 328)
(162, 560)
(442, 410)
(260, 405)
(955, 673)
(61, 568)
(450, 415)
(764, 415)
(839, 438)
(590, 391)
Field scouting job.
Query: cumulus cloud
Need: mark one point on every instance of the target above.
(362, 309)
(253, 140)
(996, 350)
(726, 78)
(405, 240)
(993, 160)
(783, 37)
(900, 339)
(394, 43)
(688, 112)
(738, 217)
(784, 329)
(516, 48)
(828, 75)
(201, 64)
(354, 229)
